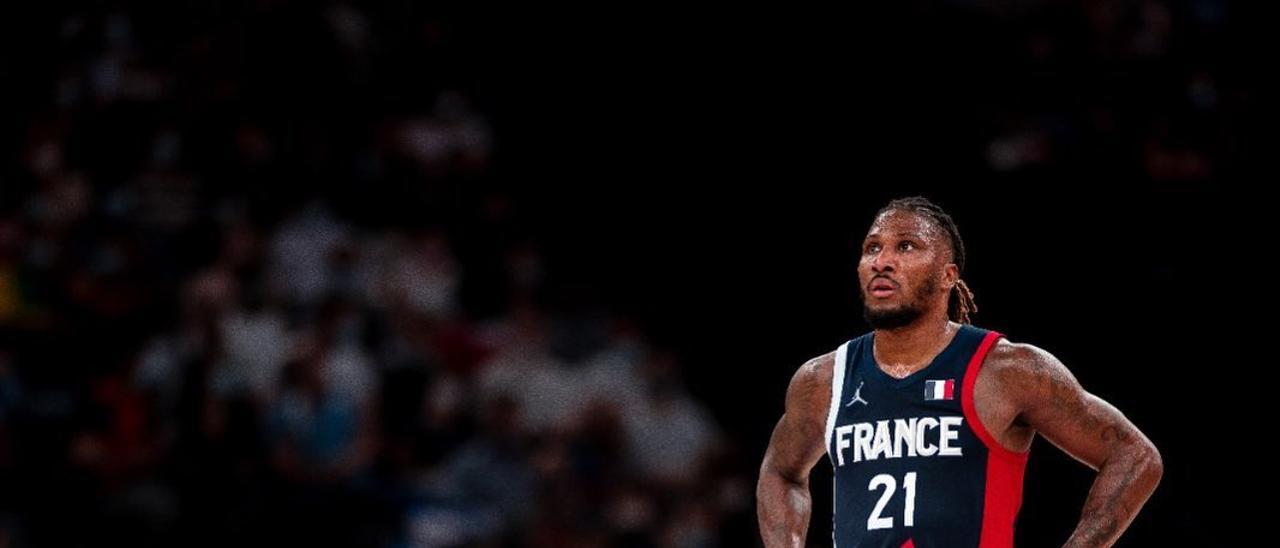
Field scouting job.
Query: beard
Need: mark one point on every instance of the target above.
(899, 316)
(891, 318)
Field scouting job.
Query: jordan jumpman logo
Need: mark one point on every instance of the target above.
(857, 396)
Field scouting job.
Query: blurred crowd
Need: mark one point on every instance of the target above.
(262, 281)
(320, 382)
(227, 322)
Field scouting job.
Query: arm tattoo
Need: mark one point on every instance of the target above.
(1096, 433)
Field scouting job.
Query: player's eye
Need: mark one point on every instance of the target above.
(905, 245)
(872, 248)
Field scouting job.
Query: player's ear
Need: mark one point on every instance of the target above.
(950, 275)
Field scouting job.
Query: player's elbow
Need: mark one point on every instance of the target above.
(772, 472)
(1149, 462)
(1153, 463)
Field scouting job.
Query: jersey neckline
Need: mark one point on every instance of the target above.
(869, 358)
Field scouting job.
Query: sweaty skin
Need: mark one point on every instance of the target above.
(1020, 390)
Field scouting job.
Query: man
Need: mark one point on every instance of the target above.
(928, 420)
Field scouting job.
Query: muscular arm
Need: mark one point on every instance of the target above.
(798, 441)
(1092, 431)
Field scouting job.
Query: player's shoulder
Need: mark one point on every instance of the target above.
(810, 387)
(817, 370)
(1010, 353)
(1021, 365)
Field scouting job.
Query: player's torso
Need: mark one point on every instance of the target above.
(910, 465)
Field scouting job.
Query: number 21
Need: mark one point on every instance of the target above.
(890, 484)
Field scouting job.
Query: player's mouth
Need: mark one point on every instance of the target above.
(882, 288)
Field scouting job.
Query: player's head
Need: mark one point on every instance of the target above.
(911, 261)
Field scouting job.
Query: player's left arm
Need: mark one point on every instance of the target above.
(1091, 430)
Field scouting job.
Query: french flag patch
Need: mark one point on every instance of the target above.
(940, 390)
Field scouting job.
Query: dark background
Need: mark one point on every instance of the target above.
(705, 174)
(791, 130)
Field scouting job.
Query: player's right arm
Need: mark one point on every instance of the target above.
(798, 441)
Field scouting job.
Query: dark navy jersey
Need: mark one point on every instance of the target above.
(913, 465)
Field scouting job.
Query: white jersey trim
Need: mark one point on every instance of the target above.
(837, 386)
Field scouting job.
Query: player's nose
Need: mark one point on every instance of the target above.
(882, 262)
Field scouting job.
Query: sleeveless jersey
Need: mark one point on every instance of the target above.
(913, 466)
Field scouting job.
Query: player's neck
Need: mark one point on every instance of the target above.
(913, 346)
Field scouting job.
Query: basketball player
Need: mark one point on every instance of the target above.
(927, 420)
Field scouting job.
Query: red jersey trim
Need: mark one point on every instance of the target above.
(971, 411)
(1003, 493)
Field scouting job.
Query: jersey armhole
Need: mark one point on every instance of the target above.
(970, 408)
(837, 387)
